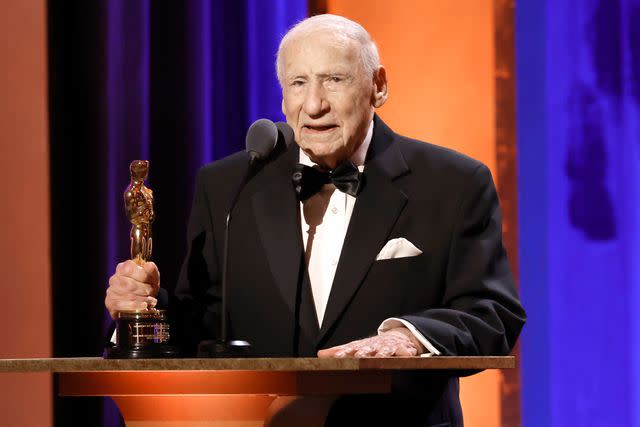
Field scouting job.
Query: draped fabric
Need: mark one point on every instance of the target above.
(177, 83)
(579, 151)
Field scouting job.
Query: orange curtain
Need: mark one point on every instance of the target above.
(440, 58)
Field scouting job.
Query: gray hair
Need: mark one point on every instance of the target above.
(340, 26)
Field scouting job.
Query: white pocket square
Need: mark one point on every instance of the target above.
(398, 248)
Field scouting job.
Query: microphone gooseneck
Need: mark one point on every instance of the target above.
(262, 138)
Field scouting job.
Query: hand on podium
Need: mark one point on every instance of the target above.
(394, 342)
(132, 287)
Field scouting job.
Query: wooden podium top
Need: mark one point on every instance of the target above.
(97, 364)
(137, 384)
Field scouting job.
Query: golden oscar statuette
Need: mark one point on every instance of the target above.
(140, 334)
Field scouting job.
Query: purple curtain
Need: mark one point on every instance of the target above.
(579, 183)
(177, 83)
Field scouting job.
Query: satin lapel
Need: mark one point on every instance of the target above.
(376, 210)
(276, 212)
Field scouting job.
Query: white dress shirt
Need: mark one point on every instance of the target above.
(324, 221)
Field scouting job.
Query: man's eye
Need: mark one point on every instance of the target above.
(297, 83)
(336, 79)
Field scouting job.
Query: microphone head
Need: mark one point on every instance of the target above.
(262, 138)
(285, 133)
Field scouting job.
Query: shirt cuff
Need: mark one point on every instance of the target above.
(394, 322)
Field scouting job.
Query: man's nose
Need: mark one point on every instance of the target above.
(315, 102)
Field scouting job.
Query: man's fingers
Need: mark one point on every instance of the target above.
(385, 351)
(152, 273)
(365, 351)
(123, 305)
(406, 351)
(329, 352)
(407, 339)
(385, 345)
(116, 303)
(125, 268)
(125, 285)
(340, 351)
(132, 287)
(148, 273)
(115, 297)
(345, 351)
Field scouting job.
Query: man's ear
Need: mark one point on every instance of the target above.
(380, 91)
(282, 106)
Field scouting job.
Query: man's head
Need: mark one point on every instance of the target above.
(331, 78)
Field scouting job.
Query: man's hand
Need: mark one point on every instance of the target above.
(132, 287)
(394, 342)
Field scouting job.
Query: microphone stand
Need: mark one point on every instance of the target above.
(221, 347)
(262, 138)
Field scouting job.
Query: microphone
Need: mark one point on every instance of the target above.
(262, 138)
(285, 133)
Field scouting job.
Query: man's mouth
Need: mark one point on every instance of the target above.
(319, 128)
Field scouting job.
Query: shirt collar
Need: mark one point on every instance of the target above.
(357, 157)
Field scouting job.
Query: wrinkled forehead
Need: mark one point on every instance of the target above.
(320, 49)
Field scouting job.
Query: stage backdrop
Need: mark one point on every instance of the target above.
(179, 83)
(174, 82)
(579, 156)
(443, 61)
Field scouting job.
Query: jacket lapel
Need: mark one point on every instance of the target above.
(375, 212)
(276, 212)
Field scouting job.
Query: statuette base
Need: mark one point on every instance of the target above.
(142, 334)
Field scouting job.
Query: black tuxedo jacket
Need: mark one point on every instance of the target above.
(459, 293)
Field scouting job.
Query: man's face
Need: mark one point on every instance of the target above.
(327, 97)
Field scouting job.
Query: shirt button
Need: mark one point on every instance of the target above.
(334, 262)
(334, 210)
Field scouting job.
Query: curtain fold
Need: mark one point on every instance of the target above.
(177, 83)
(579, 149)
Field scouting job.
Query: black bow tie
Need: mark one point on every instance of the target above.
(308, 180)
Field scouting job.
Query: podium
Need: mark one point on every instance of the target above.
(227, 392)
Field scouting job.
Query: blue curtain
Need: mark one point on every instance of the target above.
(578, 65)
(184, 82)
(177, 83)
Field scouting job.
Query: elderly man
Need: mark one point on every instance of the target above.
(378, 246)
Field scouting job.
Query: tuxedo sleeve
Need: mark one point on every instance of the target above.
(480, 312)
(194, 308)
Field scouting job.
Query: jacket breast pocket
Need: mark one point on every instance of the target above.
(403, 268)
(399, 282)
